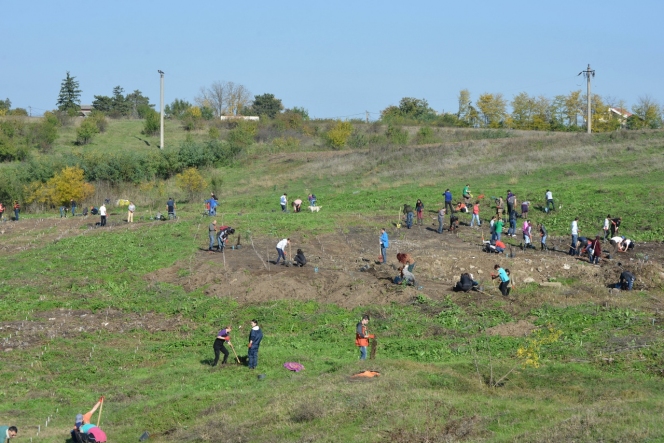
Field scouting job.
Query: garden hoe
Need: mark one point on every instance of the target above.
(233, 348)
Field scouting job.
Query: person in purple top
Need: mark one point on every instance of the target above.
(222, 337)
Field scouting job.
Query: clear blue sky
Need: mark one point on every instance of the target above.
(336, 59)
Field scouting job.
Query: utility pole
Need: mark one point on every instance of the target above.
(161, 107)
(366, 113)
(588, 73)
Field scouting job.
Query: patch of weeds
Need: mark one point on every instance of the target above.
(306, 412)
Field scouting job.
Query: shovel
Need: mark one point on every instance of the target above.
(236, 358)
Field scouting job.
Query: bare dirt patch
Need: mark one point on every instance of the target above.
(349, 275)
(522, 328)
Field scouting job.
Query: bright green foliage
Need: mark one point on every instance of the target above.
(86, 131)
(409, 108)
(45, 132)
(530, 113)
(70, 96)
(242, 135)
(152, 122)
(5, 106)
(337, 136)
(177, 109)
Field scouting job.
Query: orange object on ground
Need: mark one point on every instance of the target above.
(366, 374)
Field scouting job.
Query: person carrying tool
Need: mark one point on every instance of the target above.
(280, 250)
(255, 338)
(362, 336)
(543, 234)
(83, 425)
(503, 274)
(222, 337)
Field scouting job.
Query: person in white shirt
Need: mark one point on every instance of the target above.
(607, 225)
(102, 213)
(284, 203)
(130, 212)
(549, 200)
(280, 249)
(575, 235)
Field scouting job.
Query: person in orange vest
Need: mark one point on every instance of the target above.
(362, 336)
(2, 211)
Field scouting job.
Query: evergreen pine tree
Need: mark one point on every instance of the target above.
(70, 95)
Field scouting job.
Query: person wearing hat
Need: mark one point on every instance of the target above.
(83, 425)
(7, 432)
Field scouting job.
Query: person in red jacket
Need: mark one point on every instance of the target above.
(362, 336)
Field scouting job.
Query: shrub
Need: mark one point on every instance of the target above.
(86, 131)
(191, 181)
(286, 143)
(152, 122)
(396, 135)
(60, 189)
(425, 136)
(337, 136)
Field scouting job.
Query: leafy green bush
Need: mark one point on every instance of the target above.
(86, 132)
(425, 135)
(396, 135)
(337, 136)
(152, 122)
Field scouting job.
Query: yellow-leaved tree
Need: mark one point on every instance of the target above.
(68, 184)
(191, 181)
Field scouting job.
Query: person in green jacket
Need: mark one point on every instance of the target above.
(498, 228)
(7, 432)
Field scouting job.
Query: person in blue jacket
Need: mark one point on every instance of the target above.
(503, 274)
(255, 338)
(448, 201)
(384, 244)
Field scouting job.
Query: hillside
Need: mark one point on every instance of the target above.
(130, 311)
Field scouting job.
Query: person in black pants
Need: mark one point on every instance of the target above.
(222, 337)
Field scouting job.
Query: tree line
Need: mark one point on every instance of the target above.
(562, 113)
